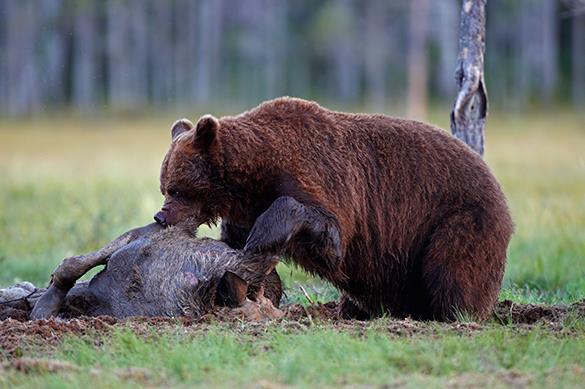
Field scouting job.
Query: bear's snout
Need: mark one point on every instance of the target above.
(161, 218)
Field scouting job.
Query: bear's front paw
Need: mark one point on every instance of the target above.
(265, 243)
(275, 227)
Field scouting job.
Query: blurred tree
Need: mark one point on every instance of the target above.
(207, 56)
(376, 49)
(86, 70)
(417, 59)
(538, 50)
(160, 52)
(185, 49)
(3, 65)
(275, 45)
(445, 21)
(336, 33)
(345, 52)
(137, 53)
(19, 52)
(502, 44)
(578, 57)
(52, 51)
(127, 53)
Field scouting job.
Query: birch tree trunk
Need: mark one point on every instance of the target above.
(470, 109)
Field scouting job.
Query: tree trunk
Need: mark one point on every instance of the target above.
(127, 53)
(470, 109)
(417, 59)
(446, 13)
(207, 58)
(548, 26)
(54, 52)
(344, 54)
(161, 52)
(376, 47)
(578, 59)
(3, 62)
(275, 46)
(537, 51)
(85, 77)
(186, 34)
(21, 60)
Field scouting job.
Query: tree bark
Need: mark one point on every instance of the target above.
(470, 109)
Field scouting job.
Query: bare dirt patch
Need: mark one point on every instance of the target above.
(510, 312)
(17, 333)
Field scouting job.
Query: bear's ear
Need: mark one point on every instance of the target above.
(231, 290)
(179, 127)
(206, 132)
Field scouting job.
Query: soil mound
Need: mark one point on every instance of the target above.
(510, 312)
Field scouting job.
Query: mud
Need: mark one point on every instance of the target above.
(17, 333)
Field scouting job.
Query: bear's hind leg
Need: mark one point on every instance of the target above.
(463, 266)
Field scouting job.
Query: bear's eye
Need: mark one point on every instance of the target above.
(175, 193)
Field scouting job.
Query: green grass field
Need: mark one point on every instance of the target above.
(68, 186)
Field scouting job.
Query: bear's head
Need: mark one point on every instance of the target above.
(189, 180)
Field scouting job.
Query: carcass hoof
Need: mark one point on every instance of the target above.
(49, 304)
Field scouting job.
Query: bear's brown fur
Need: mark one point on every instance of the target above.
(400, 216)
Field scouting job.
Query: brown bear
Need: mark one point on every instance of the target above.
(400, 216)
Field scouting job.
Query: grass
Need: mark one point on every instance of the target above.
(70, 184)
(320, 356)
